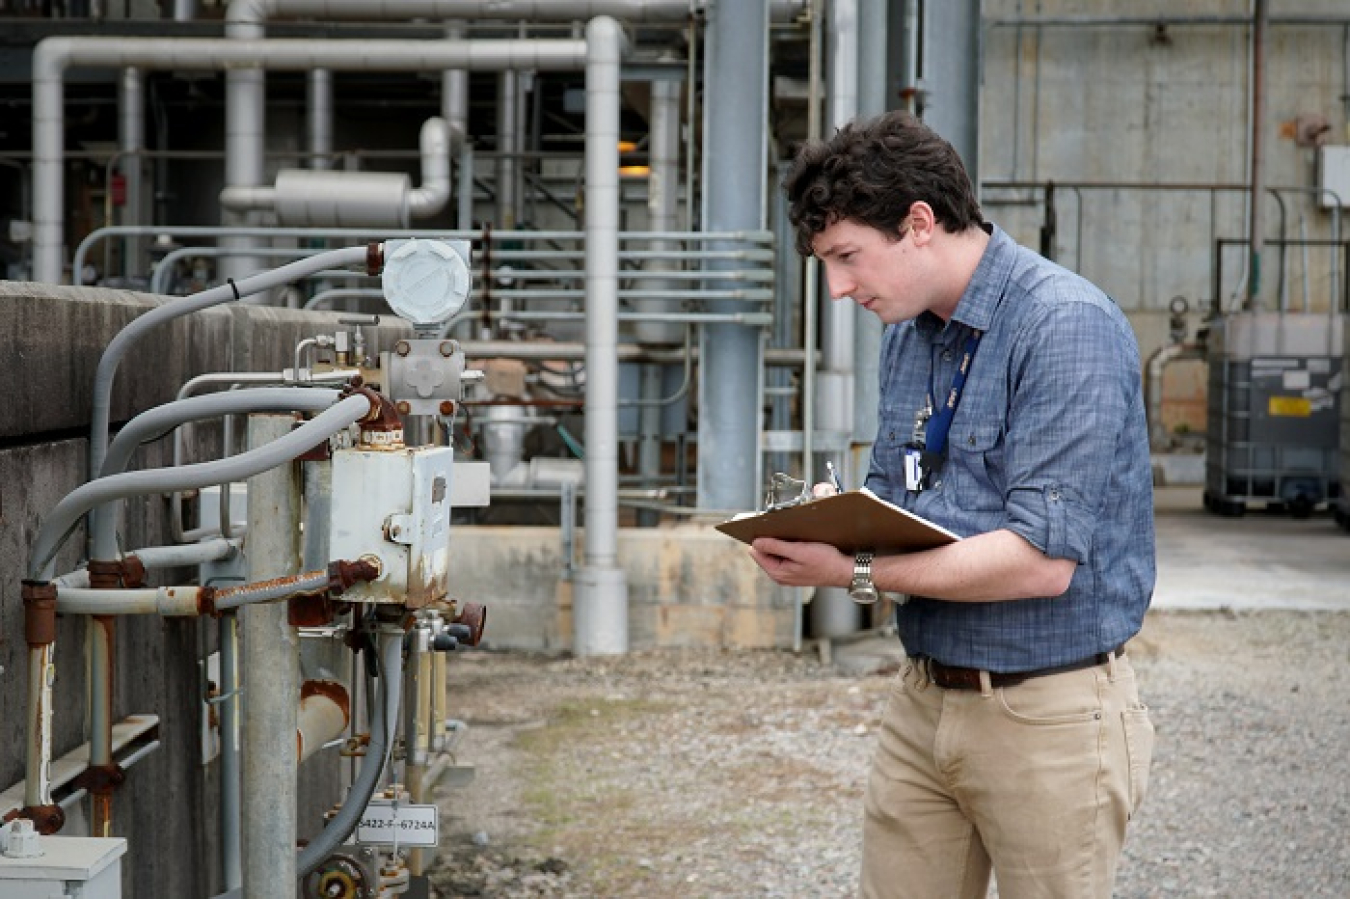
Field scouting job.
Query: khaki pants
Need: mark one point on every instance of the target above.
(1035, 780)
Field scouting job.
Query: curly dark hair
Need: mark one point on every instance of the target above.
(873, 171)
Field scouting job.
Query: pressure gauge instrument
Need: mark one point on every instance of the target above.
(426, 281)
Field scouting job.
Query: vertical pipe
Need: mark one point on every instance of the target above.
(867, 328)
(37, 784)
(131, 145)
(231, 857)
(600, 612)
(464, 216)
(245, 115)
(951, 55)
(833, 612)
(271, 678)
(455, 90)
(734, 175)
(508, 144)
(663, 187)
(319, 118)
(101, 648)
(1256, 237)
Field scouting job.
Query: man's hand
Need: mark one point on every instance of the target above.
(796, 564)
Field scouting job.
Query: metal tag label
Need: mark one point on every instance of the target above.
(403, 825)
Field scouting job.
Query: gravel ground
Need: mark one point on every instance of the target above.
(714, 774)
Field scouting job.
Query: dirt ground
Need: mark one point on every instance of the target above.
(725, 774)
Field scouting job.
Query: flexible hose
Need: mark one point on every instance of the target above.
(383, 725)
(66, 516)
(299, 585)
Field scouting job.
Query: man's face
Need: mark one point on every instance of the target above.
(878, 272)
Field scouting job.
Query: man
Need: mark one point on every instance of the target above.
(1011, 413)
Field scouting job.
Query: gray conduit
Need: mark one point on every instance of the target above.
(383, 726)
(160, 420)
(127, 337)
(66, 516)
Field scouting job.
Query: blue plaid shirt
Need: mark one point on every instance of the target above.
(1049, 441)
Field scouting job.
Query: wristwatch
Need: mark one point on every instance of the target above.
(862, 589)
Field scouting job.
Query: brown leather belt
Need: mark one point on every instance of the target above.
(952, 677)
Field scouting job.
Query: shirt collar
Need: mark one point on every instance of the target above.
(980, 301)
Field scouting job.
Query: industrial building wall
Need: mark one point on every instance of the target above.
(1159, 93)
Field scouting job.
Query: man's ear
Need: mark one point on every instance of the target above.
(922, 221)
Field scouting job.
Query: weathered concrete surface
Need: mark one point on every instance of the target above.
(687, 586)
(51, 339)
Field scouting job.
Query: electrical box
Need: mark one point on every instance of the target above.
(1333, 176)
(74, 867)
(394, 504)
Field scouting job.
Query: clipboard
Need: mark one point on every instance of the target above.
(854, 521)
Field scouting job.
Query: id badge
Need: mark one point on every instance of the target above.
(914, 470)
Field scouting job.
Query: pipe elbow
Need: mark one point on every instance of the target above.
(434, 144)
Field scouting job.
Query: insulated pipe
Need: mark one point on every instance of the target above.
(455, 93)
(383, 726)
(600, 605)
(169, 602)
(66, 516)
(325, 710)
(872, 101)
(245, 121)
(53, 55)
(271, 675)
(434, 143)
(212, 549)
(734, 174)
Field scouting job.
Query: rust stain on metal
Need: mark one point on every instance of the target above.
(39, 613)
(331, 690)
(47, 819)
(474, 616)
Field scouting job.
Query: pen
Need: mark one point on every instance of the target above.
(834, 477)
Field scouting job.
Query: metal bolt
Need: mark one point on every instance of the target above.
(447, 348)
(447, 407)
(403, 407)
(403, 348)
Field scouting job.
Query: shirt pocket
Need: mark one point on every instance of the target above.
(975, 452)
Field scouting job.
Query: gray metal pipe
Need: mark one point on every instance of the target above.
(663, 186)
(508, 146)
(600, 605)
(636, 11)
(319, 118)
(271, 675)
(131, 143)
(170, 602)
(53, 55)
(833, 613)
(734, 172)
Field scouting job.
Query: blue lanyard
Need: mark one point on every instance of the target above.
(941, 422)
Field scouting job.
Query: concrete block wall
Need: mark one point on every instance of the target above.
(51, 339)
(688, 586)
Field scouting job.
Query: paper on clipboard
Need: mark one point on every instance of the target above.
(854, 521)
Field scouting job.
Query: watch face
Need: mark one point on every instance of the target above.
(864, 595)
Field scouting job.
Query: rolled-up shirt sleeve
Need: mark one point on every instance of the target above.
(1072, 389)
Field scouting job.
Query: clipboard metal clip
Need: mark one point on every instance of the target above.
(784, 491)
